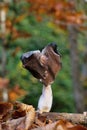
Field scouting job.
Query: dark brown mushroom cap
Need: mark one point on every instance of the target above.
(43, 65)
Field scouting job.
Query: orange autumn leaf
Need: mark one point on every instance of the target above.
(19, 34)
(62, 5)
(20, 18)
(77, 127)
(4, 7)
(74, 17)
(60, 11)
(13, 96)
(8, 23)
(16, 93)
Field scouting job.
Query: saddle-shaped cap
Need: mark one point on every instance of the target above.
(43, 65)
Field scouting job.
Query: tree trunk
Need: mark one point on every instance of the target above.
(3, 60)
(78, 92)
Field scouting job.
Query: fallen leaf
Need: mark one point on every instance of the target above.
(5, 110)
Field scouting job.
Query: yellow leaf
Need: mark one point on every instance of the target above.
(51, 25)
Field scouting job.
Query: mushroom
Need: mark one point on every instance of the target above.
(43, 65)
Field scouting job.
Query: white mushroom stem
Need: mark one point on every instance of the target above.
(45, 101)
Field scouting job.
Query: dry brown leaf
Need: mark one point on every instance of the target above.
(39, 122)
(5, 109)
(58, 125)
(30, 114)
(24, 118)
(77, 127)
(61, 125)
(47, 127)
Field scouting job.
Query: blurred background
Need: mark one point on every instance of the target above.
(27, 25)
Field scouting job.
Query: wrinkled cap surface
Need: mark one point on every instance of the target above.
(43, 65)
